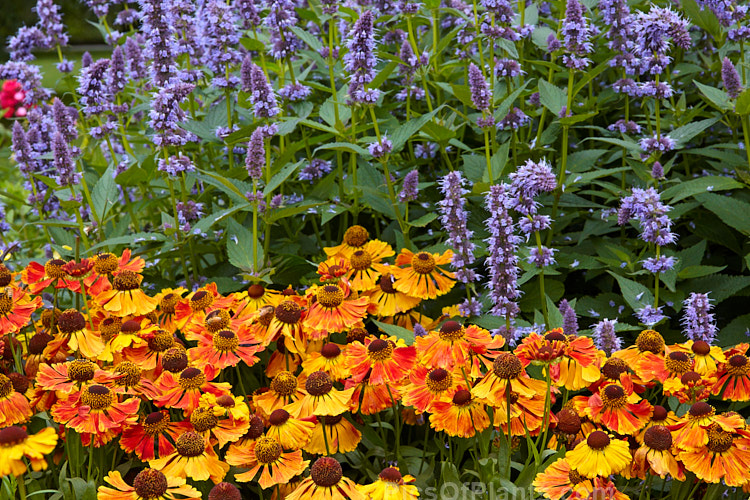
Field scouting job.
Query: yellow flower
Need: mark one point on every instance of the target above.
(599, 455)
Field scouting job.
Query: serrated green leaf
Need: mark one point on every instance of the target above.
(717, 97)
(409, 128)
(240, 247)
(731, 211)
(636, 295)
(742, 105)
(104, 195)
(280, 176)
(683, 134)
(552, 97)
(700, 185)
(345, 146)
(424, 220)
(307, 37)
(698, 271)
(572, 120)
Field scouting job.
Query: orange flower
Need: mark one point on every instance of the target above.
(14, 407)
(690, 387)
(725, 456)
(326, 482)
(558, 479)
(185, 391)
(194, 308)
(453, 345)
(288, 320)
(619, 408)
(526, 415)
(734, 375)
(384, 360)
(147, 484)
(507, 375)
(75, 335)
(153, 436)
(660, 417)
(334, 309)
(428, 386)
(267, 457)
(126, 297)
(168, 299)
(333, 268)
(259, 296)
(95, 411)
(129, 379)
(706, 358)
(602, 489)
(282, 359)
(16, 444)
(225, 348)
(292, 433)
(333, 434)
(148, 355)
(16, 308)
(194, 458)
(355, 238)
(461, 416)
(599, 455)
(216, 429)
(648, 341)
(663, 368)
(692, 431)
(423, 278)
(285, 388)
(71, 375)
(385, 300)
(655, 454)
(365, 265)
(369, 399)
(331, 359)
(321, 398)
(38, 277)
(391, 485)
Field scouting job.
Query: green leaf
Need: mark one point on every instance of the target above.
(105, 194)
(397, 331)
(129, 239)
(281, 176)
(240, 247)
(424, 220)
(345, 146)
(721, 286)
(233, 187)
(383, 75)
(718, 97)
(687, 132)
(635, 294)
(698, 271)
(697, 186)
(742, 106)
(702, 17)
(502, 110)
(409, 128)
(307, 37)
(731, 211)
(552, 97)
(572, 120)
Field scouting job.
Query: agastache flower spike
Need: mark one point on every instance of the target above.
(64, 122)
(255, 161)
(410, 187)
(576, 36)
(262, 95)
(134, 56)
(454, 218)
(65, 169)
(93, 88)
(697, 319)
(480, 90)
(502, 245)
(730, 78)
(360, 61)
(160, 40)
(605, 337)
(570, 321)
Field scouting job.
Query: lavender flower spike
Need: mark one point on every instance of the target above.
(454, 218)
(605, 337)
(570, 322)
(262, 96)
(255, 161)
(731, 79)
(360, 61)
(410, 187)
(481, 95)
(697, 319)
(65, 168)
(502, 245)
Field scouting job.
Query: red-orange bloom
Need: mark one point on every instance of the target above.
(461, 416)
(224, 348)
(619, 408)
(153, 436)
(334, 308)
(734, 375)
(422, 277)
(16, 308)
(38, 277)
(14, 407)
(453, 345)
(384, 360)
(266, 456)
(428, 386)
(184, 391)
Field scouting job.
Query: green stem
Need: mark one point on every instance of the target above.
(541, 282)
(656, 280)
(487, 154)
(21, 480)
(397, 419)
(746, 133)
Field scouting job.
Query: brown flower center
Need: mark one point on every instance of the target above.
(267, 450)
(423, 263)
(256, 291)
(701, 348)
(175, 359)
(507, 366)
(701, 410)
(361, 260)
(318, 384)
(356, 334)
(326, 472)
(660, 414)
(330, 296)
(379, 350)
(131, 327)
(438, 380)
(288, 312)
(192, 379)
(738, 365)
(109, 327)
(5, 275)
(201, 300)
(127, 280)
(452, 331)
(690, 378)
(386, 283)
(105, 263)
(613, 396)
(266, 315)
(568, 421)
(677, 362)
(331, 420)
(217, 320)
(130, 374)
(81, 370)
(554, 335)
(156, 423)
(12, 435)
(651, 341)
(150, 484)
(39, 342)
(356, 236)
(462, 397)
(97, 397)
(719, 441)
(226, 341)
(6, 386)
(161, 341)
(256, 428)
(575, 477)
(598, 440)
(330, 351)
(71, 321)
(390, 475)
(19, 381)
(224, 491)
(278, 417)
(54, 269)
(168, 302)
(284, 384)
(190, 444)
(203, 419)
(658, 437)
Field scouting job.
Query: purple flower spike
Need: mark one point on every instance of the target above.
(480, 89)
(697, 319)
